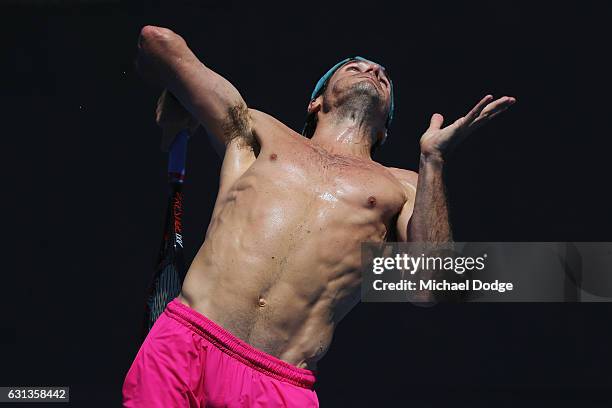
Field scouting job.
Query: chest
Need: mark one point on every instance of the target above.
(331, 179)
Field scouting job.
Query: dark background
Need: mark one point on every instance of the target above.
(86, 184)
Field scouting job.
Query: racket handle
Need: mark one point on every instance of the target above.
(177, 157)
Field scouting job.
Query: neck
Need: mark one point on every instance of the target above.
(347, 136)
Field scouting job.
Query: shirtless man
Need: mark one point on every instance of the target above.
(280, 264)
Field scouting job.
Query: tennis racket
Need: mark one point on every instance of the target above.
(170, 269)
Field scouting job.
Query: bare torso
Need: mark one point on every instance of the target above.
(279, 267)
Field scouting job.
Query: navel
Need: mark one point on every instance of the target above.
(371, 201)
(262, 302)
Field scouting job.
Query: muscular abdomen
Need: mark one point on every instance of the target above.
(280, 263)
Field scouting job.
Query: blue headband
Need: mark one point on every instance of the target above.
(325, 78)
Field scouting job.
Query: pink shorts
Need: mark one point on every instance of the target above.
(188, 360)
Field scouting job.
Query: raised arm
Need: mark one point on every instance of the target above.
(164, 56)
(428, 220)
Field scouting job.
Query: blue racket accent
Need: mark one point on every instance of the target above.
(178, 156)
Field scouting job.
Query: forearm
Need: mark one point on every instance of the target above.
(160, 54)
(165, 58)
(429, 221)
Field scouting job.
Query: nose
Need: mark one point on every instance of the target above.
(375, 70)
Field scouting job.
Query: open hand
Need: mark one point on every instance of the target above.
(438, 142)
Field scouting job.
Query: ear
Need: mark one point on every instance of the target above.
(315, 105)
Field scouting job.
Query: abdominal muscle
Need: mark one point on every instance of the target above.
(279, 268)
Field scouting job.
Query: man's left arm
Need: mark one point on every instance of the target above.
(426, 219)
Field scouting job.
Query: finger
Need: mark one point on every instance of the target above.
(475, 112)
(436, 121)
(497, 112)
(500, 104)
(495, 108)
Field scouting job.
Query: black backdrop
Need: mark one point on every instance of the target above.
(86, 184)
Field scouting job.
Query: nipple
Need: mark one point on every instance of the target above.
(372, 201)
(273, 156)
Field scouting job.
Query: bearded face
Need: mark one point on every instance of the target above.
(358, 89)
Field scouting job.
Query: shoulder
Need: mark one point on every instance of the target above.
(266, 126)
(407, 178)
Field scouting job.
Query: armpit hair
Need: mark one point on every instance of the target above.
(238, 126)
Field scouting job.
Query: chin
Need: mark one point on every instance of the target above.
(366, 85)
(365, 93)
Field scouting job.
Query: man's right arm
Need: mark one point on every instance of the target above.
(165, 57)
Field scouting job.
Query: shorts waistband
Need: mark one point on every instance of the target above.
(240, 350)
